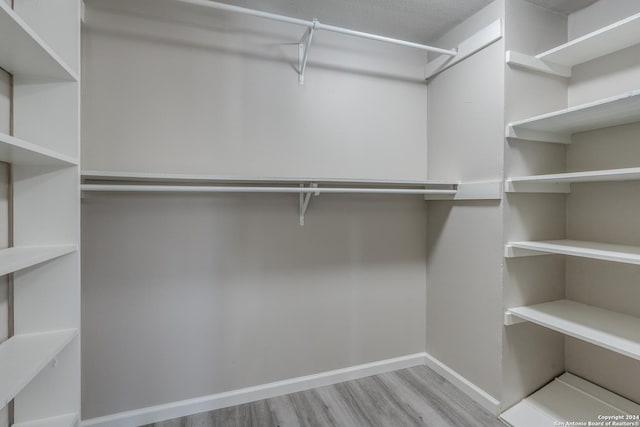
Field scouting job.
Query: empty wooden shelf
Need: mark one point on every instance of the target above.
(614, 331)
(16, 151)
(558, 126)
(22, 357)
(567, 398)
(594, 250)
(24, 53)
(559, 182)
(561, 59)
(15, 259)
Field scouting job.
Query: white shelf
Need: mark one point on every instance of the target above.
(14, 259)
(67, 420)
(228, 179)
(594, 250)
(614, 331)
(561, 59)
(19, 152)
(559, 182)
(24, 53)
(558, 126)
(567, 398)
(22, 357)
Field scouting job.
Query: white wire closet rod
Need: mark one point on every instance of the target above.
(316, 25)
(125, 188)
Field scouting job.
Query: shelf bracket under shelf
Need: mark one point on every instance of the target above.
(303, 50)
(304, 199)
(512, 319)
(520, 60)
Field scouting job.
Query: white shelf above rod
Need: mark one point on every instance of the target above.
(304, 192)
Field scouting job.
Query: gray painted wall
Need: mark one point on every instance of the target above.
(185, 296)
(606, 212)
(464, 240)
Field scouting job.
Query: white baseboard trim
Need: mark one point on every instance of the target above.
(481, 397)
(183, 408)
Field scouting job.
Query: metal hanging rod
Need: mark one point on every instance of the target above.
(304, 45)
(317, 25)
(126, 188)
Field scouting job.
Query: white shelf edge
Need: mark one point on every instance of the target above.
(24, 356)
(593, 250)
(567, 397)
(559, 182)
(616, 332)
(21, 257)
(202, 178)
(483, 38)
(66, 420)
(528, 62)
(586, 117)
(17, 151)
(64, 71)
(621, 34)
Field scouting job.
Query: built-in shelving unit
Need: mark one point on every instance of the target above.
(614, 331)
(594, 250)
(560, 182)
(22, 357)
(561, 59)
(558, 126)
(568, 398)
(69, 420)
(23, 52)
(40, 48)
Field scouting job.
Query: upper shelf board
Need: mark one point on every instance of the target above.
(614, 331)
(594, 250)
(559, 60)
(22, 357)
(66, 420)
(568, 397)
(19, 152)
(559, 182)
(17, 258)
(24, 54)
(558, 126)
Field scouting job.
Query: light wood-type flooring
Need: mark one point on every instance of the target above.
(408, 397)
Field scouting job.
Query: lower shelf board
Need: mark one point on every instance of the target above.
(22, 357)
(594, 250)
(568, 399)
(66, 420)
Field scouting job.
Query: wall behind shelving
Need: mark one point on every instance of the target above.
(464, 240)
(190, 295)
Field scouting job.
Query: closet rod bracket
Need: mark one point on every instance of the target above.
(303, 50)
(304, 199)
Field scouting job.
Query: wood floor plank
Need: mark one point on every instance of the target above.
(413, 397)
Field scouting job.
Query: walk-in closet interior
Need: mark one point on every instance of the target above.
(426, 210)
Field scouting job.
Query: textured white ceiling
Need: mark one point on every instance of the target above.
(413, 20)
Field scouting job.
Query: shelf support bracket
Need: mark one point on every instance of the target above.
(510, 319)
(304, 200)
(303, 50)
